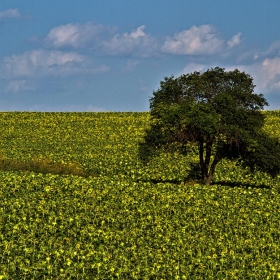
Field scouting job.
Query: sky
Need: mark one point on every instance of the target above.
(108, 55)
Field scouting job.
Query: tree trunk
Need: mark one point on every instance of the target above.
(210, 173)
(207, 171)
(207, 180)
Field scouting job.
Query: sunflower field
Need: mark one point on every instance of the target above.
(77, 203)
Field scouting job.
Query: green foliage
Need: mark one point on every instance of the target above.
(129, 221)
(218, 112)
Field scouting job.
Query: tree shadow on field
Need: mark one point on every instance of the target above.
(191, 181)
(195, 178)
(194, 175)
(240, 185)
(157, 181)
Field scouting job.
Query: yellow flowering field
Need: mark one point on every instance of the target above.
(119, 219)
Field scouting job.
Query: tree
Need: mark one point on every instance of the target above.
(219, 112)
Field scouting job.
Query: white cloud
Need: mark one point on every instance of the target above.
(139, 32)
(269, 75)
(136, 43)
(18, 85)
(202, 40)
(235, 40)
(266, 74)
(131, 65)
(11, 13)
(40, 63)
(192, 67)
(274, 49)
(259, 55)
(73, 35)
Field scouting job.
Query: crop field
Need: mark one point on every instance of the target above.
(111, 217)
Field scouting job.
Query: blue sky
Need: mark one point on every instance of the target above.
(108, 55)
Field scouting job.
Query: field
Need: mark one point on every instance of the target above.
(120, 219)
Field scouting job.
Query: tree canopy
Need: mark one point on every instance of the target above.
(216, 110)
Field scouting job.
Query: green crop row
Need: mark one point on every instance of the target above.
(128, 221)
